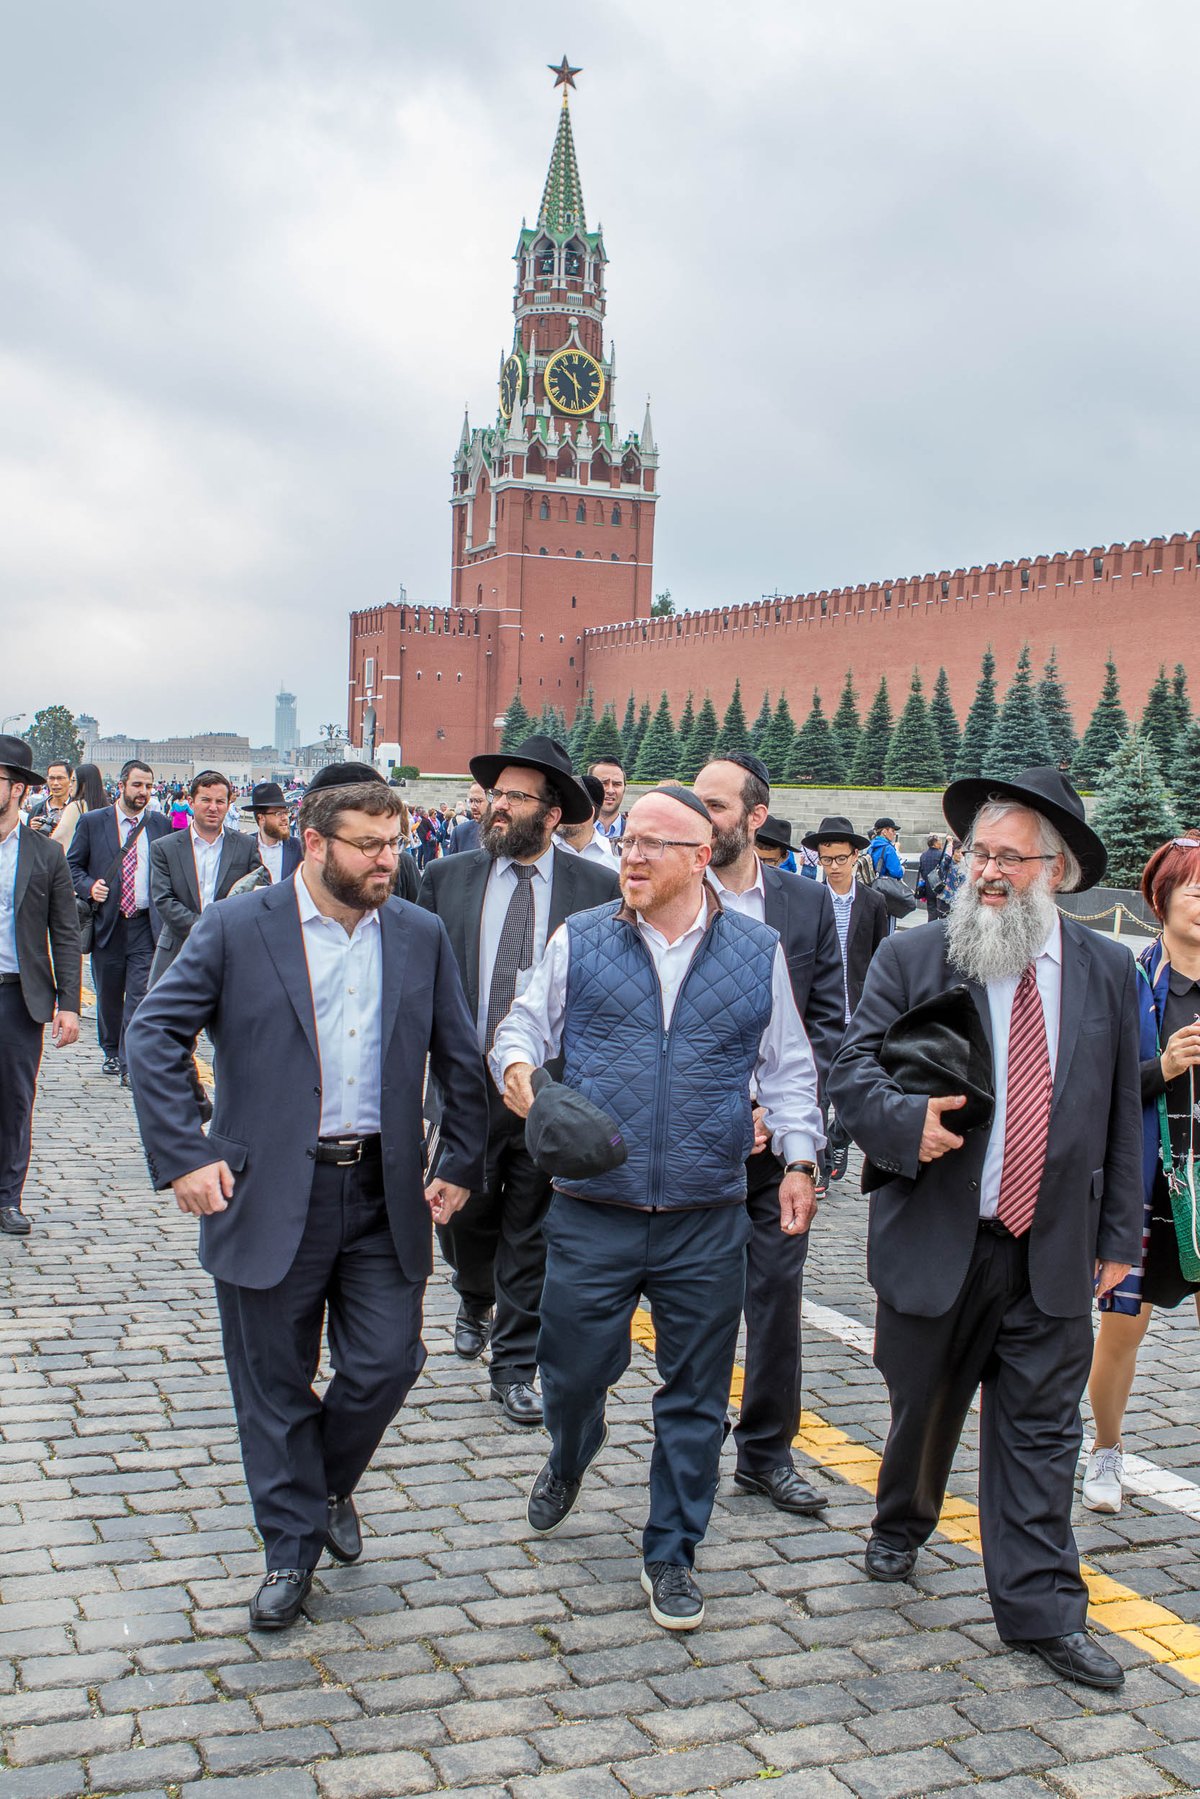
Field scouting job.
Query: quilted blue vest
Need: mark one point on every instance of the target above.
(681, 1097)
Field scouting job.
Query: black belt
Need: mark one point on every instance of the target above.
(9, 980)
(994, 1228)
(343, 1152)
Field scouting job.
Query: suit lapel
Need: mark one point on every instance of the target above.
(225, 869)
(562, 890)
(187, 863)
(774, 903)
(26, 851)
(394, 946)
(1076, 959)
(474, 886)
(280, 927)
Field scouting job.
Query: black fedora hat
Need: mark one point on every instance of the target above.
(1043, 790)
(937, 1048)
(345, 774)
(265, 796)
(550, 759)
(834, 830)
(16, 756)
(567, 1135)
(776, 833)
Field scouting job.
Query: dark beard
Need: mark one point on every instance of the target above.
(730, 844)
(352, 890)
(518, 838)
(987, 945)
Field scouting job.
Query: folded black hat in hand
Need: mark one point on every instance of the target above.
(935, 1049)
(567, 1135)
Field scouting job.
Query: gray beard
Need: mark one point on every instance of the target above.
(997, 944)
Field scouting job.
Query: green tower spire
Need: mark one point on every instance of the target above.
(561, 211)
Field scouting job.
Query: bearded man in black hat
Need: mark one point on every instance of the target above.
(279, 852)
(500, 905)
(986, 1248)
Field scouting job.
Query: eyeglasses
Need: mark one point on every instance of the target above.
(372, 847)
(834, 861)
(514, 796)
(651, 848)
(1005, 860)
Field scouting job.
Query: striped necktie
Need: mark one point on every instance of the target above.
(514, 951)
(1027, 1119)
(129, 876)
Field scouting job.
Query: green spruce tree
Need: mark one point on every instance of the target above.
(658, 758)
(761, 725)
(1179, 694)
(701, 743)
(604, 741)
(1185, 778)
(1107, 729)
(581, 729)
(1056, 712)
(1159, 722)
(847, 725)
(1020, 739)
(629, 733)
(517, 723)
(687, 722)
(1133, 814)
(945, 719)
(734, 739)
(816, 759)
(914, 757)
(870, 753)
(776, 751)
(639, 736)
(981, 722)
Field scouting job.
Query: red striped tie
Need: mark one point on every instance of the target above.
(1026, 1125)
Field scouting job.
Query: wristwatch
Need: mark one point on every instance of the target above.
(808, 1168)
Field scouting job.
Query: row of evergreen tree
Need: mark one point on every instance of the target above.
(923, 748)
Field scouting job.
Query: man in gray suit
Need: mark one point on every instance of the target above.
(323, 996)
(985, 1249)
(194, 868)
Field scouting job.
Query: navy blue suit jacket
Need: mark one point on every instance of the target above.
(242, 976)
(90, 858)
(293, 856)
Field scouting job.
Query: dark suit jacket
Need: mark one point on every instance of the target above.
(242, 976)
(802, 912)
(464, 836)
(293, 856)
(47, 925)
(924, 1221)
(90, 858)
(868, 928)
(176, 891)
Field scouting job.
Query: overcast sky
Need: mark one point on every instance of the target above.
(912, 286)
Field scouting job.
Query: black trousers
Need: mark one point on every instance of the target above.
(495, 1244)
(298, 1450)
(691, 1267)
(20, 1058)
(770, 1412)
(122, 972)
(1032, 1370)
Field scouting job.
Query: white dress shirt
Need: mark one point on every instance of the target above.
(141, 878)
(784, 1076)
(9, 849)
(594, 850)
(1001, 994)
(208, 863)
(752, 903)
(271, 857)
(346, 977)
(501, 885)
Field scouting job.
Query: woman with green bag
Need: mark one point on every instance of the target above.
(1169, 1003)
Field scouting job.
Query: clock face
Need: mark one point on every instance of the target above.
(574, 381)
(512, 381)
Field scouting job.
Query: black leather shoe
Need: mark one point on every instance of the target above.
(125, 1080)
(552, 1500)
(1078, 1657)
(343, 1534)
(882, 1562)
(785, 1488)
(471, 1332)
(111, 1065)
(521, 1402)
(280, 1599)
(14, 1222)
(676, 1602)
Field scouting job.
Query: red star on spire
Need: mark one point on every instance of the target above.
(564, 75)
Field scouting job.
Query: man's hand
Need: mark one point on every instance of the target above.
(444, 1200)
(797, 1204)
(762, 1136)
(64, 1029)
(936, 1140)
(518, 1088)
(204, 1190)
(1108, 1276)
(99, 892)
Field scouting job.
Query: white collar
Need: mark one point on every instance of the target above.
(544, 866)
(197, 839)
(697, 925)
(756, 885)
(310, 911)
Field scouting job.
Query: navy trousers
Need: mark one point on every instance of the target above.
(299, 1450)
(691, 1266)
(122, 972)
(20, 1058)
(770, 1410)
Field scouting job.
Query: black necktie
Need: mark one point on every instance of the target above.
(514, 951)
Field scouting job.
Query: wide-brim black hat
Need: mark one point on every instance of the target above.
(1043, 790)
(567, 1135)
(550, 759)
(834, 830)
(776, 833)
(265, 796)
(15, 754)
(937, 1048)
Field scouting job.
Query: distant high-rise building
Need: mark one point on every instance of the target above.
(286, 734)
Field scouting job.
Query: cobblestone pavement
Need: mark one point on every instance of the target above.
(458, 1655)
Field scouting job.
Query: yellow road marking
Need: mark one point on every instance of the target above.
(1150, 1627)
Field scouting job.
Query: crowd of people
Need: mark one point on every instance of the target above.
(616, 1052)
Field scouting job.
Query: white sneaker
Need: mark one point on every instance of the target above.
(1102, 1480)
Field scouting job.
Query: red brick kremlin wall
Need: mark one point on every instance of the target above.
(1141, 600)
